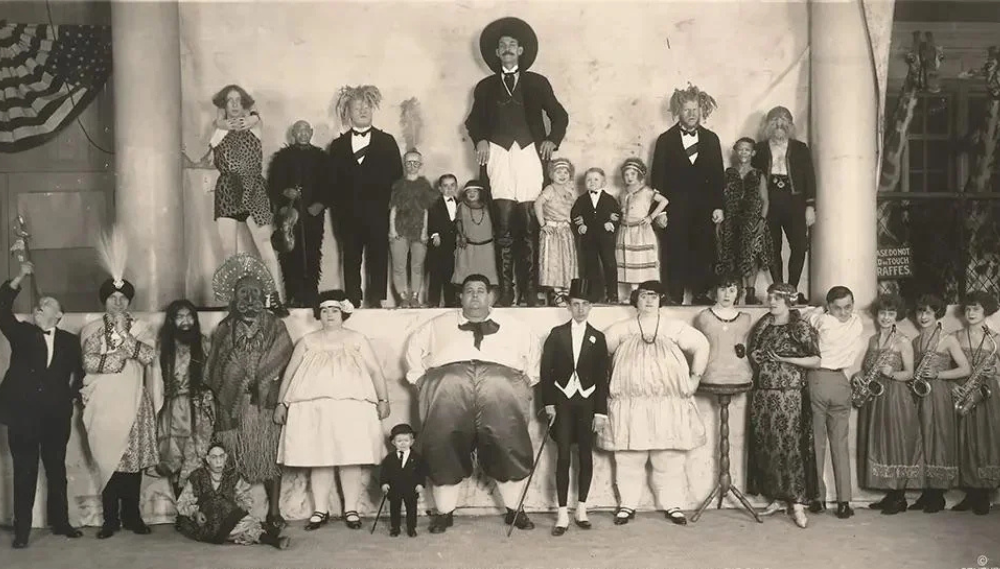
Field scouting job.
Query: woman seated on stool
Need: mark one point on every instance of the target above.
(781, 462)
(726, 329)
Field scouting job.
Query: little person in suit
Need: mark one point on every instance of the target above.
(574, 378)
(441, 253)
(402, 477)
(596, 215)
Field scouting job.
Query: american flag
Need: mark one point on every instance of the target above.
(48, 76)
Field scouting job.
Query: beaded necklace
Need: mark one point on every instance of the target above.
(638, 321)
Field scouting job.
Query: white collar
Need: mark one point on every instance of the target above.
(364, 131)
(503, 70)
(597, 191)
(578, 325)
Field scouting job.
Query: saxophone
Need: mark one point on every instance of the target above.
(969, 394)
(865, 386)
(919, 385)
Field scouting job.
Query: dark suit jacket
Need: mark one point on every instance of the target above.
(32, 391)
(438, 221)
(592, 367)
(362, 191)
(403, 480)
(593, 218)
(699, 185)
(538, 97)
(800, 167)
(305, 166)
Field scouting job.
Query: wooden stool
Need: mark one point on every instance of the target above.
(725, 485)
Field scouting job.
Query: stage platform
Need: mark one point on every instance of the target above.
(389, 331)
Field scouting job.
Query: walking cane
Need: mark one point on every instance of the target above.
(524, 492)
(379, 514)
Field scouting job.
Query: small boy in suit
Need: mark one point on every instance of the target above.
(596, 215)
(441, 252)
(402, 477)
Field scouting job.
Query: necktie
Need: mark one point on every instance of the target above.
(401, 457)
(480, 330)
(509, 80)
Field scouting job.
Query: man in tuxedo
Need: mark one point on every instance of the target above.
(402, 477)
(365, 163)
(687, 169)
(574, 377)
(36, 404)
(441, 254)
(596, 216)
(507, 128)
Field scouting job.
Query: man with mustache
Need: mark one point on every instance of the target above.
(507, 128)
(297, 179)
(250, 349)
(791, 191)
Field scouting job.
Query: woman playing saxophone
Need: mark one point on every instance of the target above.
(941, 362)
(890, 453)
(979, 430)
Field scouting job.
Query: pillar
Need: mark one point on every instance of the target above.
(148, 189)
(844, 136)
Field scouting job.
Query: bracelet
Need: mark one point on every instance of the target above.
(383, 400)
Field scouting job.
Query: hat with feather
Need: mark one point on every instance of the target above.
(112, 250)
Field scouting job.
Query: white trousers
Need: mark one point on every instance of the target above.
(446, 497)
(667, 481)
(515, 174)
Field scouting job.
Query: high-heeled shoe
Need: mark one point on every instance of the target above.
(772, 508)
(317, 520)
(799, 515)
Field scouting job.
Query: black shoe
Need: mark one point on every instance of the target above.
(68, 531)
(106, 531)
(934, 503)
(441, 522)
(20, 542)
(921, 502)
(520, 522)
(894, 506)
(817, 506)
(412, 532)
(318, 520)
(967, 502)
(675, 515)
(844, 510)
(583, 524)
(139, 528)
(982, 505)
(394, 532)
(558, 531)
(881, 504)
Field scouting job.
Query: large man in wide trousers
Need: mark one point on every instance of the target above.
(474, 370)
(507, 128)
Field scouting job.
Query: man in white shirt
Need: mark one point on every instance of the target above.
(574, 376)
(840, 342)
(474, 370)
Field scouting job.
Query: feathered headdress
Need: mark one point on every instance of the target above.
(112, 251)
(692, 93)
(411, 123)
(367, 93)
(237, 267)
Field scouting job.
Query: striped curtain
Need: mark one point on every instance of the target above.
(48, 76)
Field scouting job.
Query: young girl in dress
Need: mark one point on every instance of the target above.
(637, 252)
(557, 249)
(332, 400)
(745, 244)
(475, 253)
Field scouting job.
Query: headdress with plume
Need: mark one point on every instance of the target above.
(692, 93)
(411, 122)
(236, 268)
(367, 93)
(112, 251)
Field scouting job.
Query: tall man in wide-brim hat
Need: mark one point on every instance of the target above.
(507, 128)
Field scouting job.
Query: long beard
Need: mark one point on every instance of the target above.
(187, 337)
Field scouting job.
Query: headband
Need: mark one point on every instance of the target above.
(343, 305)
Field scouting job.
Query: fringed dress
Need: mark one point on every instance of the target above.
(781, 458)
(890, 448)
(938, 422)
(636, 251)
(979, 431)
(557, 257)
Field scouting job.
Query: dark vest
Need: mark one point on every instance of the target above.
(512, 122)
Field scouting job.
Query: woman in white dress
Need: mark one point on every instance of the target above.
(332, 400)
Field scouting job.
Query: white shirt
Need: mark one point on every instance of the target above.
(359, 142)
(578, 332)
(406, 456)
(50, 340)
(439, 342)
(595, 197)
(779, 150)
(688, 140)
(452, 207)
(839, 342)
(517, 78)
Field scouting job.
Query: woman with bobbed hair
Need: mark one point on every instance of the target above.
(890, 450)
(332, 400)
(938, 360)
(978, 439)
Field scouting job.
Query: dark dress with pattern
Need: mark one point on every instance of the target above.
(890, 448)
(241, 191)
(979, 431)
(744, 243)
(938, 423)
(222, 513)
(781, 459)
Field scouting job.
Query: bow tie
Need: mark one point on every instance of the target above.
(359, 133)
(479, 330)
(47, 332)
(449, 199)
(595, 192)
(692, 132)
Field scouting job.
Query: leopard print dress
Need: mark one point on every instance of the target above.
(240, 191)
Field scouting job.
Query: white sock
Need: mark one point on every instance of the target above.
(562, 518)
(581, 511)
(445, 498)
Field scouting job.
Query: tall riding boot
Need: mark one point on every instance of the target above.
(529, 268)
(506, 254)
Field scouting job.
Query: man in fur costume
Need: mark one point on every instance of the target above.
(687, 170)
(297, 178)
(250, 349)
(507, 128)
(365, 163)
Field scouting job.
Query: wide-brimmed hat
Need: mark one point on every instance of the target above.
(515, 28)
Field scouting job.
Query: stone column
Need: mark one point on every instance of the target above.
(844, 135)
(149, 202)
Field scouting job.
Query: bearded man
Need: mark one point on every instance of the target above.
(250, 349)
(186, 420)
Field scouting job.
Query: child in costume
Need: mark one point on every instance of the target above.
(402, 477)
(412, 195)
(595, 216)
(441, 249)
(557, 264)
(637, 252)
(474, 228)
